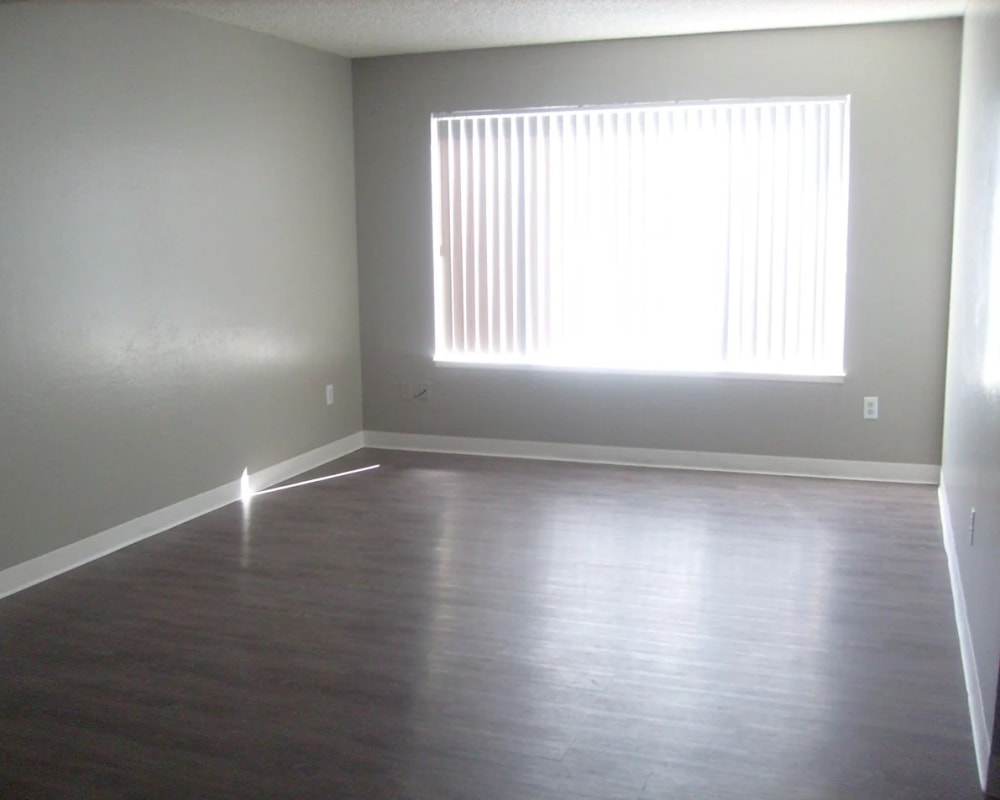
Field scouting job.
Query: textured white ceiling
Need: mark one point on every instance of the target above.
(382, 27)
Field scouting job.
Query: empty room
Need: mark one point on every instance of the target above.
(502, 399)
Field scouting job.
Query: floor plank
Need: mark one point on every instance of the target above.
(461, 627)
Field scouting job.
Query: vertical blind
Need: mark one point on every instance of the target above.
(705, 237)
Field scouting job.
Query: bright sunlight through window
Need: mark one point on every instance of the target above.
(702, 237)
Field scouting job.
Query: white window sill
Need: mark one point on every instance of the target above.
(790, 377)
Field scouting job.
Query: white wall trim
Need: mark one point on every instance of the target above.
(648, 457)
(977, 712)
(28, 573)
(269, 476)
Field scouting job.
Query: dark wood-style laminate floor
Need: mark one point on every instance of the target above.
(460, 627)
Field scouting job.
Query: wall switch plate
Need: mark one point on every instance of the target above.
(329, 394)
(871, 408)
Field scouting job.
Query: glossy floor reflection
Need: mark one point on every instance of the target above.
(458, 627)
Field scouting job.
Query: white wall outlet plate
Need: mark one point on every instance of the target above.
(871, 408)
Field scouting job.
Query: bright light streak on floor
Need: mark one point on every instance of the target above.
(303, 483)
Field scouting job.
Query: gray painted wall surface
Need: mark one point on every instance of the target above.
(904, 83)
(971, 463)
(178, 273)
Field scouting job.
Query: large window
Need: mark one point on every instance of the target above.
(706, 237)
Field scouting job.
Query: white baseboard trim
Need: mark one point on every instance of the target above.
(648, 457)
(48, 565)
(269, 476)
(28, 573)
(977, 712)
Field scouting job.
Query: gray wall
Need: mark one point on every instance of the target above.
(904, 83)
(178, 272)
(971, 464)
